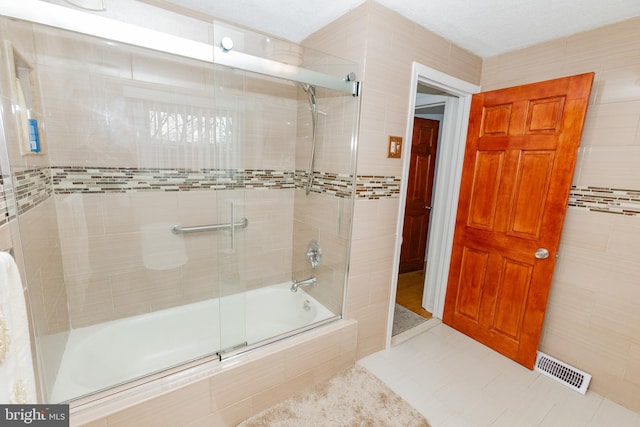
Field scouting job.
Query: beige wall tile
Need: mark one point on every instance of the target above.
(45, 280)
(582, 229)
(256, 374)
(633, 371)
(282, 391)
(388, 44)
(229, 416)
(612, 167)
(179, 407)
(614, 124)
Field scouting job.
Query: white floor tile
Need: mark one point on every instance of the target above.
(455, 381)
(612, 414)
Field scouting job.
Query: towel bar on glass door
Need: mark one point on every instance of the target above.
(179, 229)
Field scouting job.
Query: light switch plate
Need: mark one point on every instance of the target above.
(395, 147)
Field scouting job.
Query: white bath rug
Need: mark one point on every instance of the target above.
(354, 398)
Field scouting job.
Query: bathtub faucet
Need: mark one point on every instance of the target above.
(297, 283)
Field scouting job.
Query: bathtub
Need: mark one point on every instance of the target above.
(104, 355)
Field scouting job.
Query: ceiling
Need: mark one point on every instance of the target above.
(484, 27)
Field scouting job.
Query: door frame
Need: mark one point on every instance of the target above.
(446, 185)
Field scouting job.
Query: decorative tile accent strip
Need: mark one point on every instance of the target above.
(67, 180)
(32, 187)
(377, 187)
(607, 200)
(4, 208)
(339, 185)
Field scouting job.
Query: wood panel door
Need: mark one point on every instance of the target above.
(518, 165)
(417, 211)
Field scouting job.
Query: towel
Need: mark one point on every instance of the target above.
(17, 380)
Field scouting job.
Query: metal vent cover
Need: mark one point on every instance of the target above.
(563, 373)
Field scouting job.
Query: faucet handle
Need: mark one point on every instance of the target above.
(314, 253)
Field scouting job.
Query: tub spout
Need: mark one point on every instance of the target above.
(297, 283)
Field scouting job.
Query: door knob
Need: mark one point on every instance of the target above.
(542, 253)
(428, 208)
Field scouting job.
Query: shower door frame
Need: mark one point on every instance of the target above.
(40, 12)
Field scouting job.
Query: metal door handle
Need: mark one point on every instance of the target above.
(542, 253)
(428, 208)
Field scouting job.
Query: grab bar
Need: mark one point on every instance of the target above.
(179, 229)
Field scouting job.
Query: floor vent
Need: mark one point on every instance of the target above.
(563, 373)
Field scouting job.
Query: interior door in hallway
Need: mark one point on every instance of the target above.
(422, 164)
(519, 159)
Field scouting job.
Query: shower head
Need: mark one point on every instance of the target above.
(311, 92)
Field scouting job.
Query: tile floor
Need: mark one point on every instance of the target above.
(457, 382)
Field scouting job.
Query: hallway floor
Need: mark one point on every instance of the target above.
(409, 292)
(455, 381)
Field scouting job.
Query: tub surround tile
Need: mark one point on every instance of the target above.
(241, 386)
(177, 408)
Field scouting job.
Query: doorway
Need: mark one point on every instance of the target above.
(429, 113)
(452, 96)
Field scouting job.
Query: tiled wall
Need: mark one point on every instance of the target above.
(384, 44)
(110, 277)
(119, 180)
(92, 208)
(592, 318)
(35, 238)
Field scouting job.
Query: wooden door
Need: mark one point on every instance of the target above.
(521, 150)
(419, 190)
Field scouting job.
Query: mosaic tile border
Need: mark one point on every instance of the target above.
(377, 187)
(4, 208)
(338, 185)
(86, 180)
(606, 200)
(32, 187)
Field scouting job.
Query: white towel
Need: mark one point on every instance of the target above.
(17, 380)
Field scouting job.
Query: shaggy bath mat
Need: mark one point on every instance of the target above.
(404, 319)
(354, 398)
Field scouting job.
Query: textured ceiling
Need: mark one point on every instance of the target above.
(484, 27)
